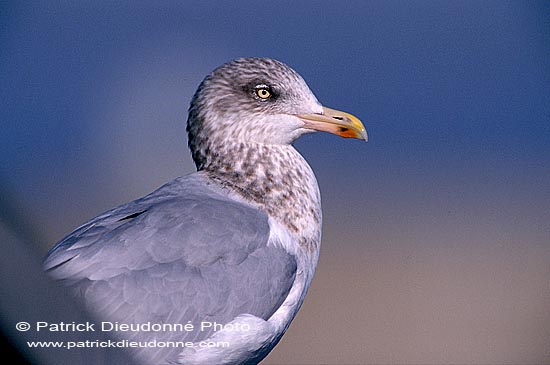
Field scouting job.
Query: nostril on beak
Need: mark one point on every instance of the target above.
(338, 118)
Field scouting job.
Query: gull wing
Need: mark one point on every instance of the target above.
(183, 254)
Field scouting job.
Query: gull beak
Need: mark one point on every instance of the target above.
(336, 122)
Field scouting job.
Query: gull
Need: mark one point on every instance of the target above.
(229, 251)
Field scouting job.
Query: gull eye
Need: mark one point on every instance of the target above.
(263, 92)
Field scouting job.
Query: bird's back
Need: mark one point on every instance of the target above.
(183, 254)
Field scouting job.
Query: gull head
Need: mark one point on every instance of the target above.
(259, 101)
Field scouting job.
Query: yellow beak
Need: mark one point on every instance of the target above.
(336, 122)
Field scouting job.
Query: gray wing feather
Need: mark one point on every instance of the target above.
(183, 253)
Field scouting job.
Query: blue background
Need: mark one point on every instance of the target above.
(436, 232)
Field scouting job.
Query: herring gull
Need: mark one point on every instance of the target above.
(230, 249)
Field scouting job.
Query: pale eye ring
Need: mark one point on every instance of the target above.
(263, 92)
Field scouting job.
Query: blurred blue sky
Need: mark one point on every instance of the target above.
(455, 97)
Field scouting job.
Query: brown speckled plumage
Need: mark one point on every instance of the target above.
(276, 179)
